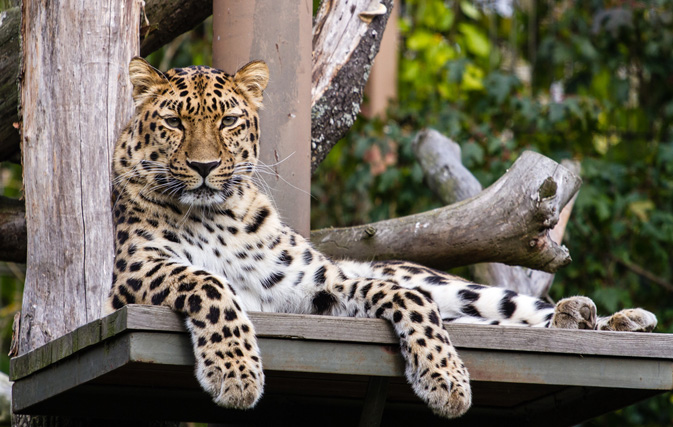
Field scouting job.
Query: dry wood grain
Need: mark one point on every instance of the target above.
(69, 129)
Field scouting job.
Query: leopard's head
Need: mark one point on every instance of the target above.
(194, 135)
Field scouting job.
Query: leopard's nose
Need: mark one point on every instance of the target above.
(204, 168)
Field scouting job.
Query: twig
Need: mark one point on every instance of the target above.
(644, 273)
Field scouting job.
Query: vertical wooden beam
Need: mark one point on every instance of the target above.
(279, 33)
(375, 402)
(381, 88)
(75, 97)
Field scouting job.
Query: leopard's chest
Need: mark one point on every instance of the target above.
(250, 262)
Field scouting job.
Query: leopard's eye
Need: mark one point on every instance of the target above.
(173, 122)
(228, 121)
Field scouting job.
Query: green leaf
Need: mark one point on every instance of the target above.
(472, 154)
(422, 39)
(475, 40)
(473, 78)
(641, 209)
(469, 10)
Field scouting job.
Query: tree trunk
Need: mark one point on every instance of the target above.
(68, 132)
(346, 38)
(452, 182)
(508, 222)
(69, 129)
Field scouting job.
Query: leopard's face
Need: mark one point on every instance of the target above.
(194, 135)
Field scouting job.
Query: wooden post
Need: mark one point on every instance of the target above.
(279, 33)
(75, 98)
(381, 88)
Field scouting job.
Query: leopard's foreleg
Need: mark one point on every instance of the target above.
(433, 368)
(228, 363)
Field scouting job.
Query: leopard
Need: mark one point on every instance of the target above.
(194, 231)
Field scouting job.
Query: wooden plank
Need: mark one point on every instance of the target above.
(564, 369)
(156, 349)
(374, 331)
(279, 355)
(380, 360)
(328, 328)
(87, 365)
(57, 349)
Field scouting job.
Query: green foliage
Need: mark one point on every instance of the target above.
(11, 275)
(488, 82)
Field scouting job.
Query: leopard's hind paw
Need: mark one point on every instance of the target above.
(629, 320)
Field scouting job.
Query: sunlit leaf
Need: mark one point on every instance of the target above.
(641, 209)
(476, 41)
(469, 10)
(472, 78)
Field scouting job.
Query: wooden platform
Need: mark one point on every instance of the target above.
(138, 363)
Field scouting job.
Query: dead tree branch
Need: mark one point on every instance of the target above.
(508, 222)
(345, 41)
(452, 182)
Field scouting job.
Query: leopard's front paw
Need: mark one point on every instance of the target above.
(629, 320)
(230, 368)
(233, 382)
(440, 379)
(574, 313)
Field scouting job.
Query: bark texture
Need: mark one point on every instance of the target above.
(69, 129)
(166, 19)
(452, 182)
(344, 47)
(508, 222)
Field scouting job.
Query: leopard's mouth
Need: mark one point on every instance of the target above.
(205, 195)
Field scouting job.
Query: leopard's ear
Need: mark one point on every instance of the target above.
(252, 79)
(146, 79)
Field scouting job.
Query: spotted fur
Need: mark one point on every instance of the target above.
(194, 233)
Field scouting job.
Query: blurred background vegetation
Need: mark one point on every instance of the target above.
(589, 80)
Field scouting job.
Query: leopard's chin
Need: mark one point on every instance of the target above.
(203, 196)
